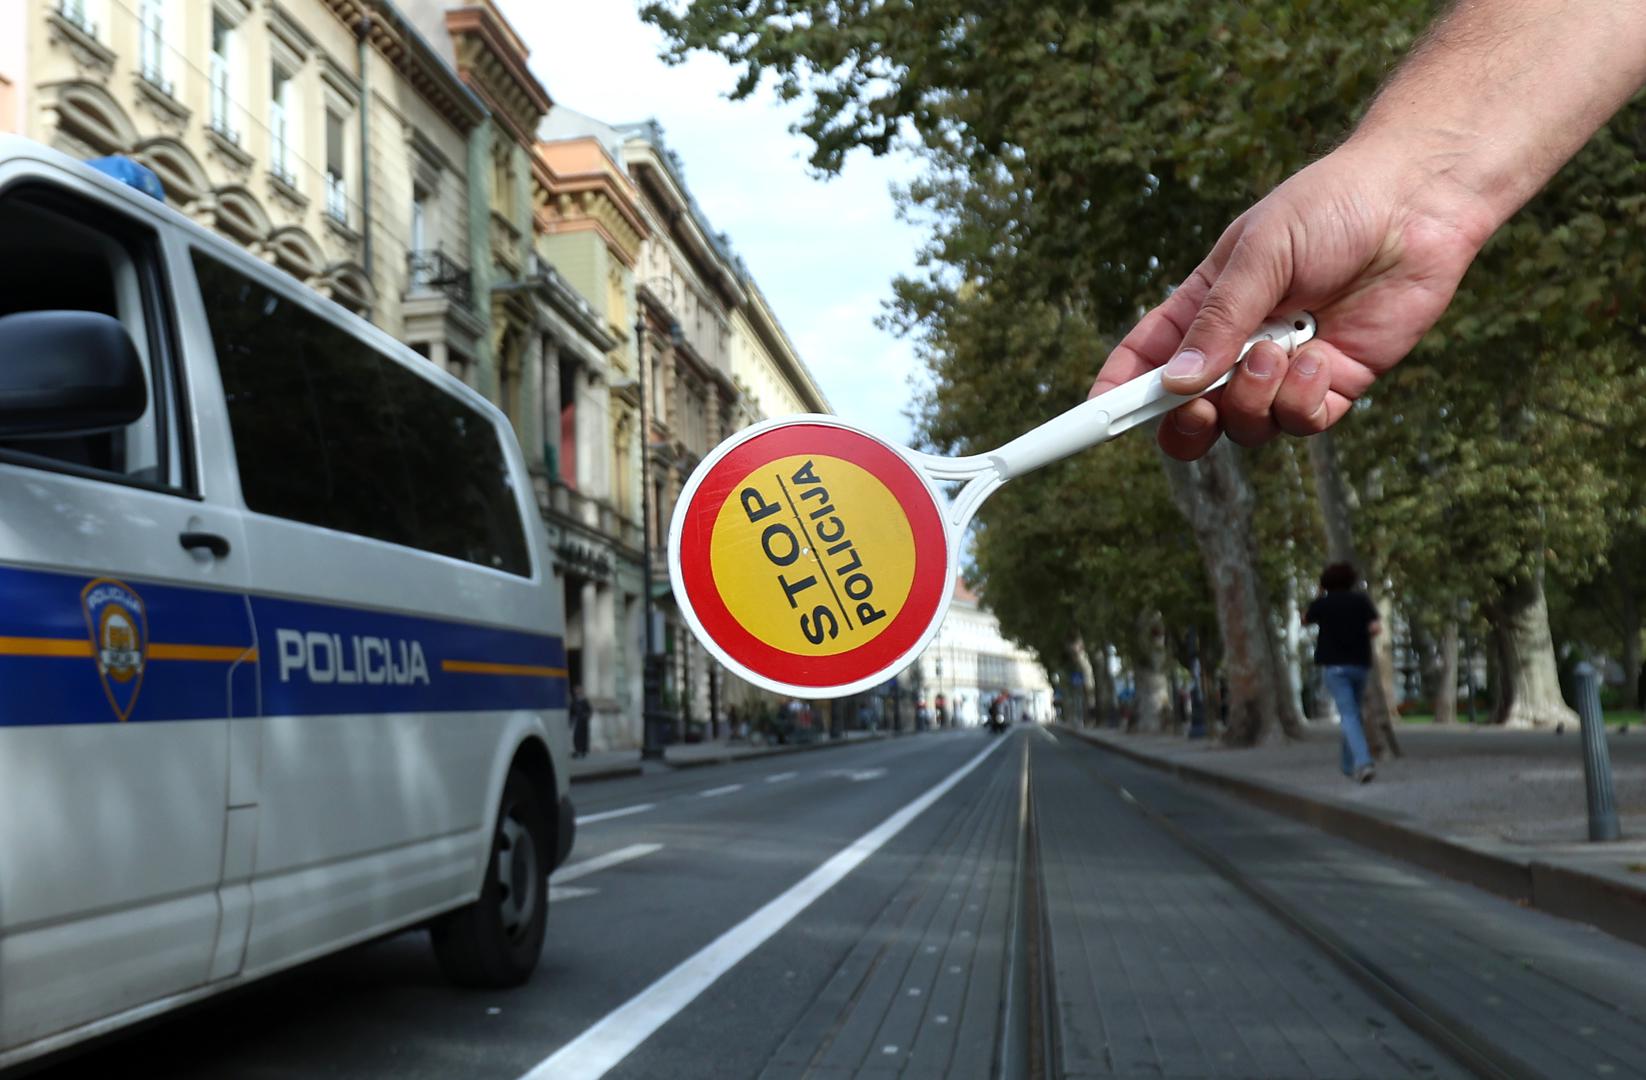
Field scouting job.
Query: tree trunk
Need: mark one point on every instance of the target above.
(1528, 684)
(1337, 511)
(1216, 499)
(1103, 703)
(1631, 650)
(1151, 704)
(1446, 678)
(1083, 668)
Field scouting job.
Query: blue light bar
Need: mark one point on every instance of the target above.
(130, 173)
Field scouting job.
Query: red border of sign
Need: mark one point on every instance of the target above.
(925, 522)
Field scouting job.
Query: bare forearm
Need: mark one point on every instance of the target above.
(1501, 93)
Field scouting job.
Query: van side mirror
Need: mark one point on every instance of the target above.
(68, 373)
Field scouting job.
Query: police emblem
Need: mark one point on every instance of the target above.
(119, 629)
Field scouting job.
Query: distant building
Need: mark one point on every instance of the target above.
(715, 360)
(969, 662)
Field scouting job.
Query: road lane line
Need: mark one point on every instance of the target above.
(558, 893)
(618, 1033)
(780, 776)
(607, 815)
(715, 792)
(582, 869)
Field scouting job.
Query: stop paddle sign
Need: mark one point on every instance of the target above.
(816, 560)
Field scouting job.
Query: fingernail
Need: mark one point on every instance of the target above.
(1187, 423)
(1260, 363)
(1187, 364)
(1307, 363)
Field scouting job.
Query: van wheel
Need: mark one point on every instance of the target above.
(495, 941)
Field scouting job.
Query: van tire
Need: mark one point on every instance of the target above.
(495, 942)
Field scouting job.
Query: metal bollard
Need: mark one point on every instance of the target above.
(1597, 759)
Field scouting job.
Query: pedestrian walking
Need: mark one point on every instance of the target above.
(1348, 621)
(581, 712)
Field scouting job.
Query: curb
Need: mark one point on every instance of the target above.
(611, 772)
(624, 772)
(1559, 890)
(776, 751)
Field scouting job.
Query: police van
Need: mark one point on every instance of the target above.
(281, 666)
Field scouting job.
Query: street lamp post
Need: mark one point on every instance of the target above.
(653, 718)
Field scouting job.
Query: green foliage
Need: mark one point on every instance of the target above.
(1082, 157)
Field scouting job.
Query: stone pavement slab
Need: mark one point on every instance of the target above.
(1503, 810)
(1560, 998)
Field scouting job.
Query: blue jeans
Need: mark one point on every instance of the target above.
(1346, 683)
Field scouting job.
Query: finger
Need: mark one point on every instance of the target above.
(1156, 336)
(1189, 430)
(1250, 395)
(1305, 403)
(1250, 287)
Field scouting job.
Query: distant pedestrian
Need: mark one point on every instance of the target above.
(1348, 621)
(581, 712)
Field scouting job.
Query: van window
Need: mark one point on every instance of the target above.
(332, 432)
(59, 253)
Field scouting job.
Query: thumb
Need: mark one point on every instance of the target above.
(1249, 288)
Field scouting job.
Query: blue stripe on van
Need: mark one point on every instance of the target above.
(196, 653)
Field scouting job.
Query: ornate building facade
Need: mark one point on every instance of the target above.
(403, 160)
(326, 136)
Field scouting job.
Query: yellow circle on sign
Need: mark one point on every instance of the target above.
(812, 555)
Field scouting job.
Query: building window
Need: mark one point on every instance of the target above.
(568, 422)
(283, 118)
(222, 68)
(419, 220)
(503, 181)
(152, 44)
(74, 11)
(337, 192)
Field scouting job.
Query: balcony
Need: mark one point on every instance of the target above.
(435, 270)
(572, 505)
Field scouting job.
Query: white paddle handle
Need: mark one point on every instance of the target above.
(1126, 406)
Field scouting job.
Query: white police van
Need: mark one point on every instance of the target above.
(281, 666)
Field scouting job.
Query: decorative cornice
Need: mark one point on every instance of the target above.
(577, 187)
(410, 54)
(491, 60)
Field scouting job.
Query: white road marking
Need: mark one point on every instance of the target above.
(571, 873)
(558, 893)
(857, 776)
(615, 1036)
(1049, 735)
(607, 815)
(715, 792)
(780, 776)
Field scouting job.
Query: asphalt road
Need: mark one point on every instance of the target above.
(947, 905)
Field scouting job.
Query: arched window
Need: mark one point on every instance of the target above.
(241, 217)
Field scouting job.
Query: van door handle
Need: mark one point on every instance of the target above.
(217, 545)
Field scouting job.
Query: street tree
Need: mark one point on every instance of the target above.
(1080, 156)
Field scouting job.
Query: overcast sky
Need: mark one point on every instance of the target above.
(824, 252)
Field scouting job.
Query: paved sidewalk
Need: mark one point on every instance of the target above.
(1503, 810)
(1161, 968)
(1532, 996)
(615, 764)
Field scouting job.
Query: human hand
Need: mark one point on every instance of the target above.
(1372, 246)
